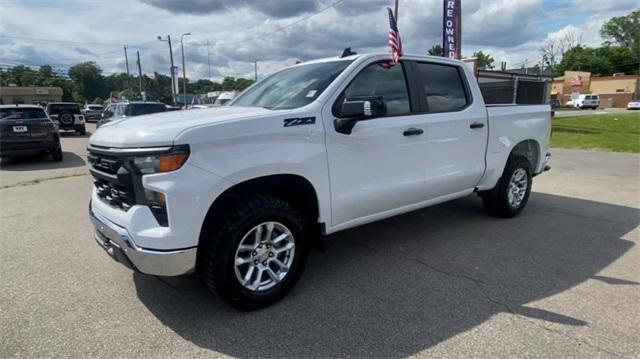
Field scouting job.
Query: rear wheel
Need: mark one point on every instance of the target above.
(56, 154)
(82, 130)
(511, 194)
(253, 251)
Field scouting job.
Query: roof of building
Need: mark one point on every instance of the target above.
(20, 106)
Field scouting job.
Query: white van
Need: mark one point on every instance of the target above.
(591, 101)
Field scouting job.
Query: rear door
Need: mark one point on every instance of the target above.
(455, 127)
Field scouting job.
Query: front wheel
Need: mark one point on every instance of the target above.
(511, 194)
(253, 251)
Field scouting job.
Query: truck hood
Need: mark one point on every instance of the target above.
(160, 129)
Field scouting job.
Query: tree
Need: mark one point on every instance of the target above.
(485, 61)
(623, 31)
(436, 50)
(46, 71)
(88, 77)
(582, 58)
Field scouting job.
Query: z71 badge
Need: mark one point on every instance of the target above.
(288, 122)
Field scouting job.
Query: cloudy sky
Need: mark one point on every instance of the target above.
(277, 33)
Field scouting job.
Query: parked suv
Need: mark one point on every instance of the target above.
(92, 112)
(67, 115)
(123, 110)
(25, 130)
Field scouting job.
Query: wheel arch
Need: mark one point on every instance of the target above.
(529, 149)
(295, 189)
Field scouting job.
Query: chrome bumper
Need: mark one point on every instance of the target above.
(117, 242)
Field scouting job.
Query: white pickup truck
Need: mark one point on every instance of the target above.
(240, 193)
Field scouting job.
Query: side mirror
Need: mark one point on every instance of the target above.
(358, 109)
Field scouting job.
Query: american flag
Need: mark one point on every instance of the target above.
(394, 38)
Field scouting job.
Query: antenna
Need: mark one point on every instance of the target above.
(347, 52)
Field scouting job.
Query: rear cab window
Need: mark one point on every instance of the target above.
(441, 88)
(56, 109)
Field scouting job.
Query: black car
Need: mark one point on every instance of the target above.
(25, 130)
(67, 115)
(123, 110)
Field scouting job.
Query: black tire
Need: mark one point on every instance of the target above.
(496, 201)
(221, 236)
(56, 154)
(82, 130)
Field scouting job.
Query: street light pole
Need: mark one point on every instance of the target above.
(184, 69)
(171, 70)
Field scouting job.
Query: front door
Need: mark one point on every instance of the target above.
(380, 165)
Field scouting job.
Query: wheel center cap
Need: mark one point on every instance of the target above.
(262, 254)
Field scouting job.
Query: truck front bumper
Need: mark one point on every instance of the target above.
(117, 242)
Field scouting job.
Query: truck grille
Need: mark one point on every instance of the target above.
(114, 194)
(112, 180)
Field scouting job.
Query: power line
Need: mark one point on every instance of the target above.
(259, 36)
(60, 41)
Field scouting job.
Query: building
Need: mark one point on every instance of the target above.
(29, 95)
(614, 91)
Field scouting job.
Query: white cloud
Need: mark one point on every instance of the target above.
(275, 33)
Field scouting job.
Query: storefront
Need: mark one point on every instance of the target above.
(29, 95)
(614, 91)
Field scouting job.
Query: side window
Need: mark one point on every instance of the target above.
(108, 112)
(380, 80)
(441, 87)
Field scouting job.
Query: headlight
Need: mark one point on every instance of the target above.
(149, 164)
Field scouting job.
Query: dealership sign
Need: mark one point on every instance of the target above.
(451, 29)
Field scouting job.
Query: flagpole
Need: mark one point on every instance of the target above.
(395, 12)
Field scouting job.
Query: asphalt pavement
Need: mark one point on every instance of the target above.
(560, 281)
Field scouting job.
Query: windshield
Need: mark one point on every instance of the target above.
(21, 113)
(144, 109)
(293, 87)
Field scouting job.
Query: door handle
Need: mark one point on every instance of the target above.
(477, 125)
(412, 131)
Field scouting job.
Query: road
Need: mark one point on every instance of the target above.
(561, 280)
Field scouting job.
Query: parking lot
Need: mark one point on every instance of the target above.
(562, 280)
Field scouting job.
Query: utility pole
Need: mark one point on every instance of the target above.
(172, 71)
(208, 60)
(126, 61)
(139, 74)
(255, 70)
(184, 69)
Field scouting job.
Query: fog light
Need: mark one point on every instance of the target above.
(156, 198)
